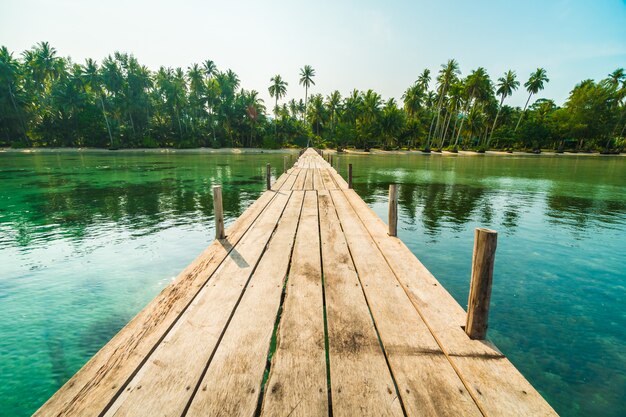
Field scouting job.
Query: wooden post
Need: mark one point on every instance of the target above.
(350, 176)
(268, 176)
(218, 211)
(393, 210)
(330, 160)
(485, 242)
(285, 164)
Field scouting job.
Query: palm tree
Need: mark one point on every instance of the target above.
(477, 89)
(93, 79)
(506, 86)
(306, 79)
(9, 72)
(424, 79)
(616, 82)
(277, 89)
(254, 107)
(533, 86)
(456, 96)
(209, 68)
(333, 102)
(447, 75)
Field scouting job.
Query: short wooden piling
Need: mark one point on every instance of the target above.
(285, 164)
(350, 176)
(393, 210)
(485, 242)
(268, 176)
(218, 211)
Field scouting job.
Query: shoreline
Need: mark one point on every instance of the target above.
(252, 151)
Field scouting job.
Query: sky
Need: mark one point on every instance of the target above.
(382, 45)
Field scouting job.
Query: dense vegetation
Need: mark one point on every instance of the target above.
(47, 100)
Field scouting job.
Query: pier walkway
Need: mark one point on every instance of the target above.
(306, 308)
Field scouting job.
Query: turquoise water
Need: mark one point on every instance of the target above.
(88, 238)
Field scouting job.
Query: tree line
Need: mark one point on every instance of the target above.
(48, 100)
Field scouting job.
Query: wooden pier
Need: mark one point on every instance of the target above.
(308, 307)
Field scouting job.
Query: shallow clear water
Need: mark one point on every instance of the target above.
(88, 238)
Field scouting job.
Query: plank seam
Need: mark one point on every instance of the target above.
(268, 366)
(416, 307)
(380, 342)
(232, 313)
(325, 314)
(182, 311)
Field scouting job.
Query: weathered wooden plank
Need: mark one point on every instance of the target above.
(329, 182)
(280, 181)
(297, 381)
(427, 383)
(360, 379)
(318, 182)
(97, 383)
(164, 385)
(341, 183)
(308, 182)
(232, 383)
(299, 184)
(497, 386)
(290, 181)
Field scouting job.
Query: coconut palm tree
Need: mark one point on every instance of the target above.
(477, 89)
(306, 79)
(254, 107)
(447, 75)
(277, 89)
(333, 102)
(9, 77)
(506, 85)
(534, 84)
(424, 79)
(93, 79)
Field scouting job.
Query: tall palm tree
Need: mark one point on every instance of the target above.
(93, 79)
(616, 82)
(477, 89)
(333, 102)
(534, 84)
(277, 89)
(506, 86)
(456, 95)
(424, 79)
(306, 79)
(447, 75)
(413, 99)
(9, 73)
(254, 107)
(209, 68)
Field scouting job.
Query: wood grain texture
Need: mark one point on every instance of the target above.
(218, 212)
(360, 379)
(89, 391)
(483, 257)
(232, 383)
(427, 383)
(297, 381)
(496, 385)
(300, 181)
(166, 382)
(393, 210)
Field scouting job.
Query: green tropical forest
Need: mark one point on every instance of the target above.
(47, 100)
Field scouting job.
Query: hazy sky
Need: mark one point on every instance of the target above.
(351, 44)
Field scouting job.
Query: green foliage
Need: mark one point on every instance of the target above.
(47, 100)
